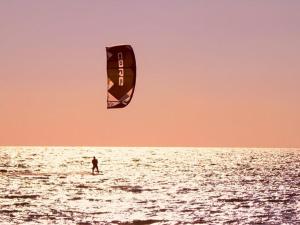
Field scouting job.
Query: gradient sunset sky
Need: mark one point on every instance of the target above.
(210, 73)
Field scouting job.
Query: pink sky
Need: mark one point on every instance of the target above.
(223, 73)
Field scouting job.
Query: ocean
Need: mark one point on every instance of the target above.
(55, 185)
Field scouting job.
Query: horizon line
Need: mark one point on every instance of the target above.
(106, 146)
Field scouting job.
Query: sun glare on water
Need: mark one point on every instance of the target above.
(149, 185)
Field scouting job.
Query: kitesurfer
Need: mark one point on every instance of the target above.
(95, 165)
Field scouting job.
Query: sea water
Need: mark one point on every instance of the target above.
(55, 185)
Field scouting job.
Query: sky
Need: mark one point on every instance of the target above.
(209, 73)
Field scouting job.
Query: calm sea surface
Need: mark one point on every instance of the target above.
(54, 185)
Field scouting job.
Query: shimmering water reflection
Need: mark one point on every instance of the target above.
(149, 185)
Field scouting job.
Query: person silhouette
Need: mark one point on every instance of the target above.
(95, 165)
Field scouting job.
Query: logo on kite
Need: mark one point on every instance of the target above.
(121, 75)
(121, 69)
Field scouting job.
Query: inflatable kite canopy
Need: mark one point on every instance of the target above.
(121, 75)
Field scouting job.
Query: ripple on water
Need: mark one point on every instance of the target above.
(137, 222)
(134, 189)
(21, 196)
(20, 204)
